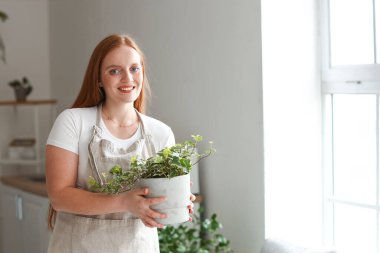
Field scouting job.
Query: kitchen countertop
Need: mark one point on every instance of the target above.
(28, 183)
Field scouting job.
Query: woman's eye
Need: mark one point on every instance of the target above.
(135, 69)
(115, 71)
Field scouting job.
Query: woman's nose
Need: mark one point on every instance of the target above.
(127, 77)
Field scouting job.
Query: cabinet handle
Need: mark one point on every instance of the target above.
(18, 207)
(16, 213)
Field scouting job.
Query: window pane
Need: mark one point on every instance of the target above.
(351, 29)
(354, 141)
(377, 4)
(355, 229)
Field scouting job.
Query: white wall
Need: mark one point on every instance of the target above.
(292, 120)
(205, 70)
(26, 39)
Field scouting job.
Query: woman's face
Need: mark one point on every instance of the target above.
(122, 75)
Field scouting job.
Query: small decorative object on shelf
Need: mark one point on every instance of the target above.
(22, 88)
(22, 149)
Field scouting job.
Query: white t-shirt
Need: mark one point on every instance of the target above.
(73, 128)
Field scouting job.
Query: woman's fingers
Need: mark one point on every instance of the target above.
(149, 222)
(154, 201)
(149, 215)
(191, 208)
(191, 205)
(140, 191)
(156, 215)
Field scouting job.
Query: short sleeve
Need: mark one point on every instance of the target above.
(65, 132)
(170, 140)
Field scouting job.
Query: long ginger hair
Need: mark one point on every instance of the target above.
(91, 94)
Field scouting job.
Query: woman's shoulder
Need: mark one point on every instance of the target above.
(153, 123)
(84, 113)
(156, 127)
(162, 135)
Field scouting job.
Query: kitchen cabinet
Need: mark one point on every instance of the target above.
(34, 106)
(24, 221)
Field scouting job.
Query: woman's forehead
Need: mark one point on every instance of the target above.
(122, 55)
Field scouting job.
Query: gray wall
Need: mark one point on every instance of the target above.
(205, 72)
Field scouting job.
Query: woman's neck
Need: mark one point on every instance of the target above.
(123, 115)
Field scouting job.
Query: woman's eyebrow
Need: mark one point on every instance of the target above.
(112, 66)
(118, 66)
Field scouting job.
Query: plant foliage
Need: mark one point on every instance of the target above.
(201, 236)
(167, 163)
(3, 18)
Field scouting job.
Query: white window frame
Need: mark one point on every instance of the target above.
(363, 78)
(352, 79)
(328, 173)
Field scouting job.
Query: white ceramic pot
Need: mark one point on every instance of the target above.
(177, 193)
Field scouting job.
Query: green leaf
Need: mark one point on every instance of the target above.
(116, 170)
(166, 152)
(158, 159)
(197, 138)
(3, 16)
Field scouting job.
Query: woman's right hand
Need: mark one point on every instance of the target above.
(139, 205)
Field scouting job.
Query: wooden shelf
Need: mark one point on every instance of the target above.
(28, 102)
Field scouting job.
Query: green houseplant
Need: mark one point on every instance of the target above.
(201, 236)
(165, 174)
(3, 18)
(22, 88)
(167, 163)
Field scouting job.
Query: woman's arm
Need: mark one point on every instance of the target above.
(61, 176)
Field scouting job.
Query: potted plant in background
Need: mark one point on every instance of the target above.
(3, 18)
(201, 236)
(22, 88)
(165, 174)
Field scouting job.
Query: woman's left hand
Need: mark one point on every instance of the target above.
(191, 205)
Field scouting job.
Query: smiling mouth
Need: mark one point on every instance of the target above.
(129, 88)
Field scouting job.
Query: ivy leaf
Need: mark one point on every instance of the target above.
(158, 159)
(133, 159)
(197, 138)
(116, 170)
(166, 152)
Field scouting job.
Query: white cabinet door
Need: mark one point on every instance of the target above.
(34, 223)
(11, 224)
(24, 226)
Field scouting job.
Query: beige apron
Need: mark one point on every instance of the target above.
(110, 233)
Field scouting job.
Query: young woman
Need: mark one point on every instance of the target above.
(104, 127)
